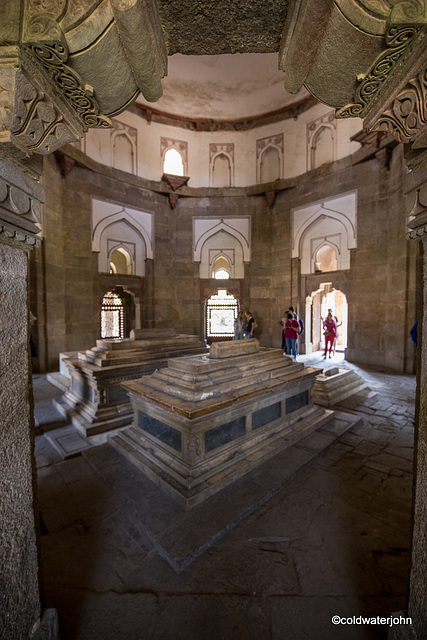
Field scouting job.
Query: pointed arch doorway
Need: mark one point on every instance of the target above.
(317, 305)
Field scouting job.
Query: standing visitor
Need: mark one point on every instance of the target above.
(249, 325)
(292, 328)
(330, 333)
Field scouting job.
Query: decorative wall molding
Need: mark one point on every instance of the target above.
(20, 205)
(18, 238)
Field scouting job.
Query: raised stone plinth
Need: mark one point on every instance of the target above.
(335, 385)
(95, 401)
(205, 421)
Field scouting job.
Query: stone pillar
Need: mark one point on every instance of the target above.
(416, 192)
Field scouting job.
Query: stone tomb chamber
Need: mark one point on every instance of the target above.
(207, 420)
(95, 401)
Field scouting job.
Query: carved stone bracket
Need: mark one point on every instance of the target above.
(398, 39)
(406, 117)
(52, 58)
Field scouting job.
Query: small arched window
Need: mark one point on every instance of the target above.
(121, 261)
(173, 163)
(326, 259)
(112, 316)
(221, 269)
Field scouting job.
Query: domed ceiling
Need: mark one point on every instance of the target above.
(223, 87)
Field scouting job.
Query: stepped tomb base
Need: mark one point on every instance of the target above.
(207, 420)
(95, 401)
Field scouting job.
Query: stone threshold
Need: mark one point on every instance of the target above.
(180, 536)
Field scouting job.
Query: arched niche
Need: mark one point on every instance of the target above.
(222, 244)
(221, 267)
(221, 171)
(121, 261)
(115, 226)
(120, 236)
(326, 257)
(323, 146)
(123, 152)
(270, 165)
(328, 223)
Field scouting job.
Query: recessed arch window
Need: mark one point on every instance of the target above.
(173, 163)
(121, 261)
(221, 310)
(221, 268)
(112, 316)
(326, 259)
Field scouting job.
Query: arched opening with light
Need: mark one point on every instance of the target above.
(221, 310)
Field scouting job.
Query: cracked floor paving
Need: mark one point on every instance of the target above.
(334, 541)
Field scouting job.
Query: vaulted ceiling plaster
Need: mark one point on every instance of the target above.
(223, 87)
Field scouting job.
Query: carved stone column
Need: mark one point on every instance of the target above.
(416, 192)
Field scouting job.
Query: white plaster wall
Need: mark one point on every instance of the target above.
(97, 144)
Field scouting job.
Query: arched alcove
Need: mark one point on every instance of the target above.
(270, 169)
(326, 259)
(123, 152)
(322, 148)
(121, 261)
(221, 268)
(221, 171)
(221, 245)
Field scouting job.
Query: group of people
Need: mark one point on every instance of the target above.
(292, 327)
(244, 329)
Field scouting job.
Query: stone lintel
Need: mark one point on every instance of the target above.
(228, 349)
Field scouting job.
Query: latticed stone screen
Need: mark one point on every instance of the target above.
(222, 309)
(112, 316)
